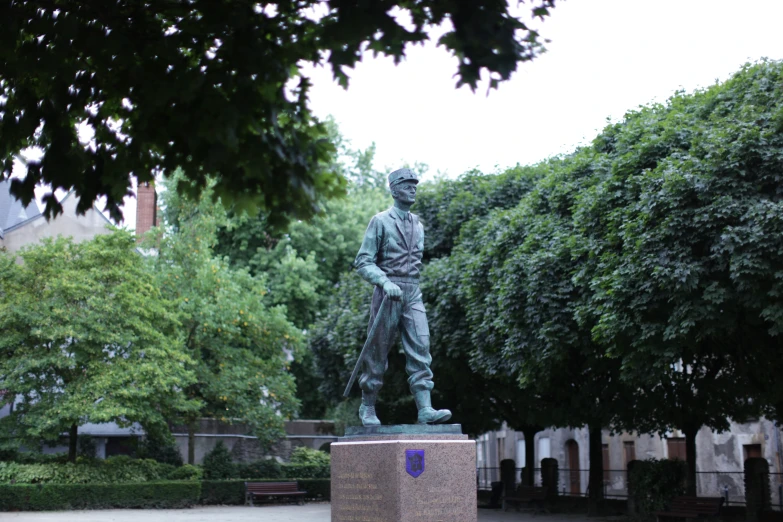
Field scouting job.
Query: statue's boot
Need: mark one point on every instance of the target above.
(367, 411)
(427, 414)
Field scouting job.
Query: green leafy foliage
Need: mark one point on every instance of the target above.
(303, 263)
(186, 472)
(120, 469)
(71, 354)
(218, 464)
(296, 471)
(58, 497)
(161, 448)
(267, 468)
(305, 455)
(213, 88)
(656, 483)
(241, 343)
(627, 285)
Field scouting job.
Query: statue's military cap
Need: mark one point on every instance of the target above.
(400, 175)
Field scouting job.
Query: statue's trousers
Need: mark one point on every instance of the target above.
(406, 317)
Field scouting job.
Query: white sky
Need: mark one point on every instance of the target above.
(605, 58)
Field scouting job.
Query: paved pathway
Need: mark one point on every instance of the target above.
(306, 513)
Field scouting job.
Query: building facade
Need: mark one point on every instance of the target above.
(720, 457)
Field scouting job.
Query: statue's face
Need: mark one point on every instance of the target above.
(405, 192)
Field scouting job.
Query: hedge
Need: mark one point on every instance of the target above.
(655, 483)
(162, 494)
(233, 491)
(120, 469)
(48, 497)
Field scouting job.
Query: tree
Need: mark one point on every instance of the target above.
(304, 261)
(688, 288)
(87, 337)
(524, 280)
(242, 345)
(213, 88)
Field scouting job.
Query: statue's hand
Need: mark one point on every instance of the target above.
(392, 290)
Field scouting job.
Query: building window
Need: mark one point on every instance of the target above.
(521, 453)
(544, 450)
(605, 455)
(676, 448)
(629, 447)
(752, 451)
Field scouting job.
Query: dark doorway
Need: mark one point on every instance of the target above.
(572, 455)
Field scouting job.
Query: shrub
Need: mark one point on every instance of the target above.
(86, 446)
(112, 470)
(218, 463)
(268, 468)
(222, 492)
(186, 472)
(292, 471)
(304, 455)
(656, 482)
(161, 449)
(46, 497)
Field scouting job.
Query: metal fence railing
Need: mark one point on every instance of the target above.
(574, 482)
(486, 476)
(727, 484)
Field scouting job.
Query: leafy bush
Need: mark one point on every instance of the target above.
(268, 468)
(291, 471)
(112, 470)
(218, 464)
(32, 457)
(186, 472)
(86, 447)
(656, 482)
(304, 455)
(46, 497)
(222, 492)
(161, 449)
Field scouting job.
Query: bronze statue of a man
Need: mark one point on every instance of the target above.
(390, 259)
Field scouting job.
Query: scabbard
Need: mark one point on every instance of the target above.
(365, 349)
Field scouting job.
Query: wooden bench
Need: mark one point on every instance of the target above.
(532, 496)
(691, 507)
(271, 489)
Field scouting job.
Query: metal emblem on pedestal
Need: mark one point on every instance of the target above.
(414, 462)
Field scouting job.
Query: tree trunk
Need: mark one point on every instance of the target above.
(596, 480)
(73, 433)
(690, 432)
(528, 475)
(192, 442)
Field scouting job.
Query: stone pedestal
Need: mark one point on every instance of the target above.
(404, 473)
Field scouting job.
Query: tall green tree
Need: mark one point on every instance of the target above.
(87, 336)
(213, 88)
(303, 262)
(688, 288)
(241, 343)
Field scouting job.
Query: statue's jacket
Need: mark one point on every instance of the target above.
(392, 249)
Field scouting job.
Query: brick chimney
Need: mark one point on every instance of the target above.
(146, 208)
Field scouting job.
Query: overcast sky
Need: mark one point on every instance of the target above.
(605, 57)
